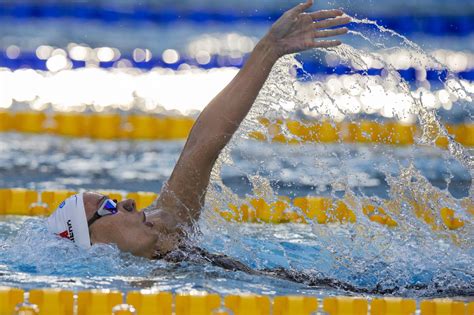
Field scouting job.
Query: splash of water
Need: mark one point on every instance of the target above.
(421, 250)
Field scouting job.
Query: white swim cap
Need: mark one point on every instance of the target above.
(69, 221)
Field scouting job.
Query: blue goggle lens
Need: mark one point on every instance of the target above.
(110, 205)
(107, 208)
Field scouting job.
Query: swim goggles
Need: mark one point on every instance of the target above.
(108, 207)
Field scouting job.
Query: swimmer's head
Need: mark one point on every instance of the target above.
(79, 219)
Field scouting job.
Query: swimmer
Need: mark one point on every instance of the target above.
(161, 232)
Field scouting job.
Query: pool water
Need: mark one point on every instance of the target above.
(364, 254)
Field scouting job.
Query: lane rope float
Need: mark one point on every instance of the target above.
(254, 209)
(113, 126)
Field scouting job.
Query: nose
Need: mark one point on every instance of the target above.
(128, 205)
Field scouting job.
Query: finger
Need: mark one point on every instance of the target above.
(329, 33)
(326, 43)
(332, 22)
(300, 8)
(325, 14)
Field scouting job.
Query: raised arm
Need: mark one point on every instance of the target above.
(183, 194)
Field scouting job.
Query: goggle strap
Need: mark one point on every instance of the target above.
(94, 218)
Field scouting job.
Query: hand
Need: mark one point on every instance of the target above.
(296, 30)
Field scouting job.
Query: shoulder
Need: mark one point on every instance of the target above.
(171, 231)
(164, 221)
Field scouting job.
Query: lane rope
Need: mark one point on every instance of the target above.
(151, 302)
(254, 209)
(113, 126)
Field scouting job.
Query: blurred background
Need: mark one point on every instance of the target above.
(190, 36)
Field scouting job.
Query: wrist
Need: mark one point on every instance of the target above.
(266, 46)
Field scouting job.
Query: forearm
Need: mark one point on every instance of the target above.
(293, 32)
(221, 118)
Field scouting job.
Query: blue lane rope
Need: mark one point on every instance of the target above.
(433, 24)
(310, 67)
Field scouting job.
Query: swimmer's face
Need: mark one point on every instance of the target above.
(128, 228)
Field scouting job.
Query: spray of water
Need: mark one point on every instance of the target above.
(421, 252)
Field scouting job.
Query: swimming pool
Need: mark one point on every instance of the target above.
(364, 254)
(380, 85)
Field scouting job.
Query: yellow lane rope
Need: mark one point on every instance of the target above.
(362, 131)
(322, 210)
(111, 126)
(152, 302)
